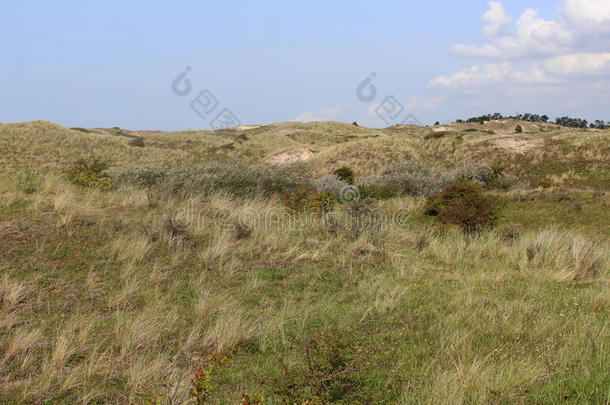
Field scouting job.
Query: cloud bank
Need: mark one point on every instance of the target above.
(571, 48)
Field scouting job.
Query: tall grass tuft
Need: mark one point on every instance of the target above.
(570, 257)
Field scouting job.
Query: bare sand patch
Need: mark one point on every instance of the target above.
(292, 156)
(518, 145)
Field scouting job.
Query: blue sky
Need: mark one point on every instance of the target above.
(112, 63)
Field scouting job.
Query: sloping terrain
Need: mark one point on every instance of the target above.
(138, 292)
(574, 155)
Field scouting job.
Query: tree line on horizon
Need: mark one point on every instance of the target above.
(563, 121)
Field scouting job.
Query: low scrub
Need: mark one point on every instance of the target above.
(328, 371)
(463, 204)
(346, 174)
(308, 199)
(411, 178)
(234, 178)
(90, 173)
(330, 184)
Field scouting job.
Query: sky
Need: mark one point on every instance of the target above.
(208, 64)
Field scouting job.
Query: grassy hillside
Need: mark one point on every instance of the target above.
(163, 289)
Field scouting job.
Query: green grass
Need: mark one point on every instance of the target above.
(103, 302)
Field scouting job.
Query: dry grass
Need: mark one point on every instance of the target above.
(118, 297)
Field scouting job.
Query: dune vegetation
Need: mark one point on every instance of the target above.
(242, 267)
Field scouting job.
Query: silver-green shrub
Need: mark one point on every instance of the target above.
(234, 178)
(330, 184)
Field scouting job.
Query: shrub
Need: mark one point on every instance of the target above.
(234, 178)
(327, 201)
(412, 179)
(463, 204)
(90, 173)
(306, 198)
(330, 184)
(355, 123)
(141, 176)
(482, 175)
(519, 129)
(408, 177)
(328, 370)
(346, 174)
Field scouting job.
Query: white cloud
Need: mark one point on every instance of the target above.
(560, 51)
(532, 36)
(473, 77)
(587, 15)
(536, 75)
(495, 19)
(580, 64)
(323, 114)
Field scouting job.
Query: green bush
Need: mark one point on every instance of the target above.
(308, 199)
(90, 173)
(519, 129)
(346, 174)
(327, 201)
(463, 204)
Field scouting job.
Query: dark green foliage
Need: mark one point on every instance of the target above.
(463, 204)
(308, 199)
(433, 206)
(90, 173)
(437, 123)
(519, 129)
(563, 121)
(328, 201)
(572, 122)
(355, 123)
(346, 174)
